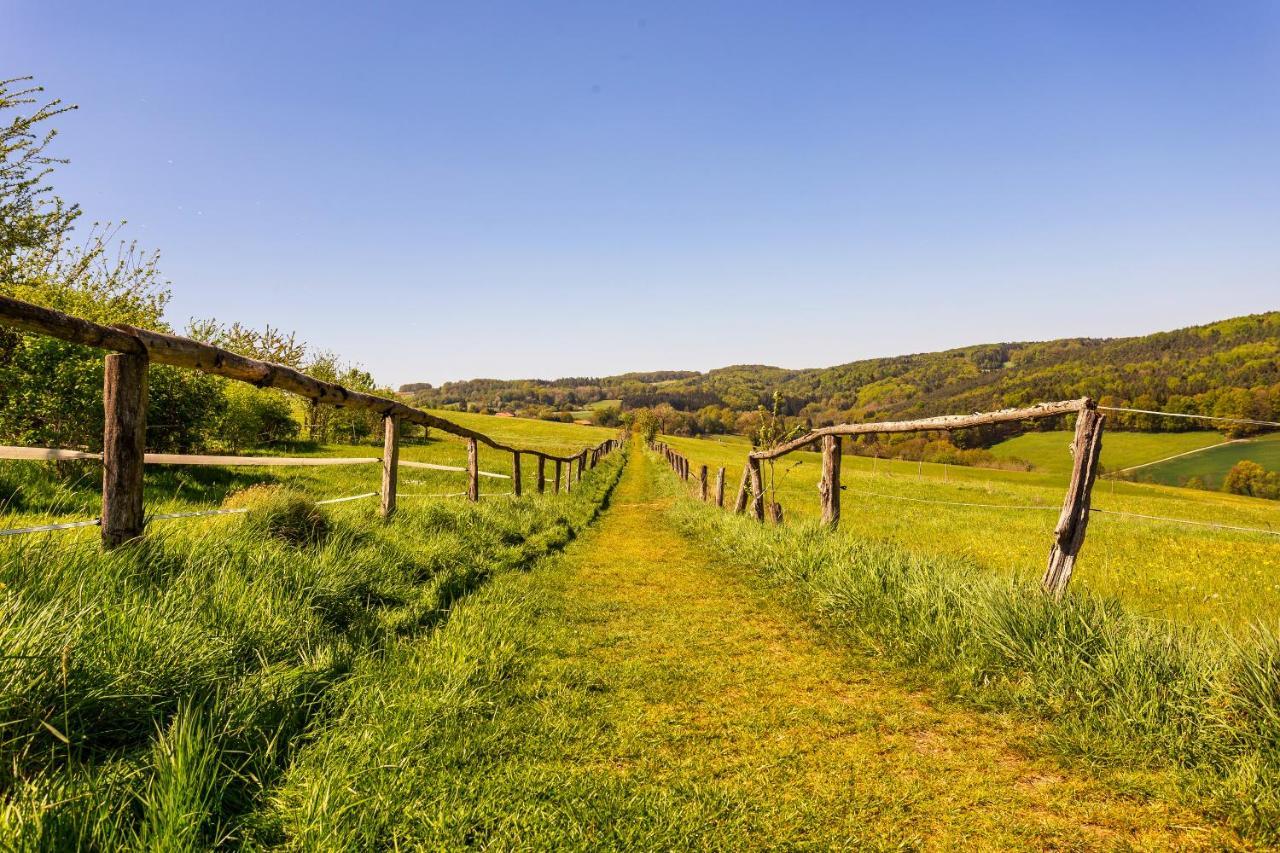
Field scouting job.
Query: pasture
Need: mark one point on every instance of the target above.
(1120, 450)
(154, 694)
(1186, 573)
(1211, 465)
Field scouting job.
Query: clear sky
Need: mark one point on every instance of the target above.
(445, 191)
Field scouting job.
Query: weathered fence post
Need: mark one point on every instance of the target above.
(720, 488)
(757, 490)
(124, 398)
(702, 483)
(582, 464)
(517, 488)
(1069, 533)
(542, 474)
(740, 503)
(473, 470)
(829, 485)
(556, 488)
(775, 512)
(390, 463)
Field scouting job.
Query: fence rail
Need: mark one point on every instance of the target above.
(1073, 518)
(125, 401)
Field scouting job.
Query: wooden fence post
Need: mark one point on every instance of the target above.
(740, 503)
(542, 474)
(829, 485)
(556, 488)
(720, 488)
(702, 483)
(1069, 533)
(757, 490)
(390, 463)
(473, 470)
(582, 464)
(517, 487)
(124, 398)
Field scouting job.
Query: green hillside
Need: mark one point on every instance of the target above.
(1212, 465)
(1047, 451)
(1228, 368)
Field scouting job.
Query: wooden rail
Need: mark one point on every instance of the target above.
(1068, 535)
(125, 401)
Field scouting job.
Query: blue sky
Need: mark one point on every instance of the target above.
(446, 191)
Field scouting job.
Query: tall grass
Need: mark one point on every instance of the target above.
(150, 696)
(1117, 688)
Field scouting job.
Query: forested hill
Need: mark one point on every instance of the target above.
(1227, 368)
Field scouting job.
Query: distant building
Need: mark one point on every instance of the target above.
(503, 415)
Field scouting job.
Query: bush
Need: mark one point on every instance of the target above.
(282, 513)
(1251, 479)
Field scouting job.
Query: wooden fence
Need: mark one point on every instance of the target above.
(1068, 534)
(125, 401)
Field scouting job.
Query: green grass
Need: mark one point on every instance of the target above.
(1212, 465)
(29, 495)
(636, 693)
(1047, 451)
(151, 697)
(1185, 573)
(1114, 689)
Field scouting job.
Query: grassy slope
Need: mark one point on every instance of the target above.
(636, 694)
(1186, 573)
(1212, 465)
(1120, 450)
(150, 694)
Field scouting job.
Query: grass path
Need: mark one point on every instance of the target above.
(760, 731)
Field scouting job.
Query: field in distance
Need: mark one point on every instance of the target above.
(1183, 572)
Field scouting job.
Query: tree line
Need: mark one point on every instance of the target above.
(51, 391)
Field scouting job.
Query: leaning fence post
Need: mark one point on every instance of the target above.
(124, 398)
(757, 490)
(1069, 533)
(829, 485)
(740, 503)
(517, 488)
(390, 463)
(473, 470)
(720, 488)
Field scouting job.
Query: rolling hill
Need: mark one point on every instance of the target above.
(1230, 367)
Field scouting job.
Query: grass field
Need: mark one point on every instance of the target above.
(1182, 572)
(28, 496)
(1046, 450)
(1212, 465)
(152, 697)
(1112, 688)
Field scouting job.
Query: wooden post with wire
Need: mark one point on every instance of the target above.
(390, 463)
(702, 483)
(124, 397)
(1074, 519)
(542, 474)
(829, 485)
(720, 488)
(473, 471)
(517, 487)
(556, 487)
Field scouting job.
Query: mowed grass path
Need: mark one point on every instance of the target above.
(700, 712)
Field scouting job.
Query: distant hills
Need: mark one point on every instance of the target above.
(1229, 368)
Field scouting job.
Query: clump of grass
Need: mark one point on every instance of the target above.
(1119, 689)
(284, 513)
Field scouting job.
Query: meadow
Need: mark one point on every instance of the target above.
(1211, 466)
(1183, 572)
(1120, 450)
(153, 695)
